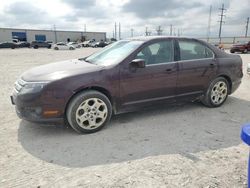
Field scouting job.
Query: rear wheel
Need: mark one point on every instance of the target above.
(231, 51)
(71, 48)
(56, 48)
(216, 93)
(89, 111)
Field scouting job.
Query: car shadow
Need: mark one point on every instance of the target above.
(180, 129)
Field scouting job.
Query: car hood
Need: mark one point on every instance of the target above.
(59, 70)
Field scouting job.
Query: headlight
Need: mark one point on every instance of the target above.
(32, 87)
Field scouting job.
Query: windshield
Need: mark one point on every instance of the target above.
(114, 53)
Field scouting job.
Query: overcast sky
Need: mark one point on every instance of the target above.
(190, 17)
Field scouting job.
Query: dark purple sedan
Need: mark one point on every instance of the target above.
(127, 75)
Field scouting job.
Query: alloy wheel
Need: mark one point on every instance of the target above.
(219, 92)
(91, 113)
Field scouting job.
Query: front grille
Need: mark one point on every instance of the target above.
(19, 85)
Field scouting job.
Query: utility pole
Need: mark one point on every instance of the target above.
(115, 31)
(222, 15)
(171, 29)
(119, 31)
(55, 33)
(146, 31)
(159, 30)
(209, 23)
(247, 27)
(132, 32)
(85, 28)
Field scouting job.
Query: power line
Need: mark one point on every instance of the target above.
(247, 27)
(132, 32)
(115, 31)
(222, 15)
(55, 33)
(171, 29)
(159, 30)
(119, 31)
(209, 23)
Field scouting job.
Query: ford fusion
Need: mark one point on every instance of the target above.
(125, 76)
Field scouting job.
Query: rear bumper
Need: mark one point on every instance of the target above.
(235, 86)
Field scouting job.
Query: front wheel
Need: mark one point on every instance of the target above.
(216, 93)
(89, 111)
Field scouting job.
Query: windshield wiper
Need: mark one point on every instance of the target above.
(85, 59)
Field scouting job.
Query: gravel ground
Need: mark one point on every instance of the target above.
(186, 145)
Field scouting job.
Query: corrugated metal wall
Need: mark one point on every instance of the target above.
(58, 36)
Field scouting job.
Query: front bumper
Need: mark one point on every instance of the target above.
(32, 107)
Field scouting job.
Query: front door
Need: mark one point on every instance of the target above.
(156, 81)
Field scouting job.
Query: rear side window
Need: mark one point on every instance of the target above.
(193, 50)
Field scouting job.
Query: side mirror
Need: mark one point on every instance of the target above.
(138, 63)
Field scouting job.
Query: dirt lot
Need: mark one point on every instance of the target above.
(187, 145)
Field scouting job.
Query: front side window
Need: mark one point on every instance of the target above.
(194, 50)
(157, 53)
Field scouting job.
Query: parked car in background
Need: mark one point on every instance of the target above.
(75, 44)
(11, 45)
(99, 44)
(40, 44)
(242, 47)
(248, 68)
(23, 44)
(88, 43)
(63, 46)
(128, 75)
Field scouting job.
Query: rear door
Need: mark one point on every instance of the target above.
(197, 66)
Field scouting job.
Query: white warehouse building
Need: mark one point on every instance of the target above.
(7, 34)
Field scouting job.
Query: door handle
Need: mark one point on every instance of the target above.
(169, 71)
(212, 64)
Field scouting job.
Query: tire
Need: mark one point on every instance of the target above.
(35, 47)
(49, 46)
(56, 48)
(216, 93)
(93, 107)
(245, 51)
(232, 51)
(71, 48)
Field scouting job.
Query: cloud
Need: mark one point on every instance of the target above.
(80, 4)
(189, 16)
(84, 8)
(157, 8)
(26, 13)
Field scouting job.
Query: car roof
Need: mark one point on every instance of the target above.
(148, 38)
